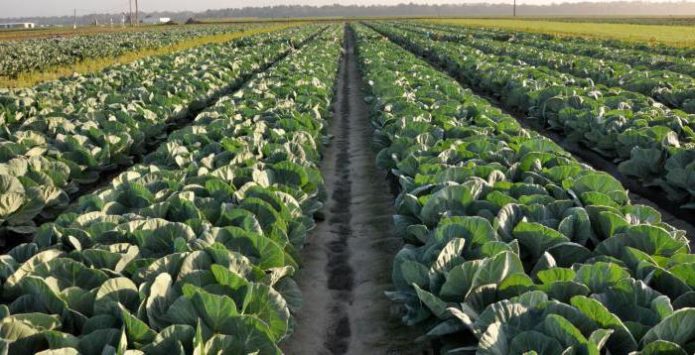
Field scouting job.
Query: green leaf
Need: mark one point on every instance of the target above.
(685, 272)
(662, 347)
(415, 273)
(199, 341)
(611, 223)
(270, 307)
(29, 266)
(563, 291)
(40, 321)
(171, 340)
(113, 292)
(561, 329)
(228, 278)
(508, 217)
(678, 328)
(448, 256)
(68, 273)
(137, 331)
(214, 310)
(534, 342)
(545, 262)
(556, 274)
(221, 343)
(568, 254)
(515, 285)
(599, 337)
(476, 231)
(600, 276)
(600, 182)
(536, 238)
(249, 335)
(649, 239)
(266, 252)
(96, 341)
(494, 270)
(459, 280)
(451, 200)
(622, 340)
(494, 341)
(432, 302)
(503, 312)
(44, 295)
(159, 300)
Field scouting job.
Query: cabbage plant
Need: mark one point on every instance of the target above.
(39, 54)
(642, 135)
(79, 128)
(192, 251)
(511, 245)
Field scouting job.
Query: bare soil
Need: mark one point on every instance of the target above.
(348, 260)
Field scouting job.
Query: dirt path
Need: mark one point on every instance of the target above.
(347, 262)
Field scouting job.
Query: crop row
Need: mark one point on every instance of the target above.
(81, 94)
(670, 88)
(659, 57)
(653, 143)
(46, 158)
(193, 250)
(21, 56)
(512, 246)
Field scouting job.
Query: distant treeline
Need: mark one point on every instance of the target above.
(633, 8)
(621, 8)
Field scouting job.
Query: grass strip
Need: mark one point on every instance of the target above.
(677, 36)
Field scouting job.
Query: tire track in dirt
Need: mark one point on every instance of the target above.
(348, 259)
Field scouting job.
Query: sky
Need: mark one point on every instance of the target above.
(19, 8)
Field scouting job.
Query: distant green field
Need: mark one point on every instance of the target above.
(644, 20)
(674, 35)
(19, 34)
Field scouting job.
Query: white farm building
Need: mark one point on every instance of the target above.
(149, 20)
(18, 25)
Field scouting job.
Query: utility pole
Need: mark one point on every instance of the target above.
(130, 12)
(74, 19)
(137, 22)
(514, 8)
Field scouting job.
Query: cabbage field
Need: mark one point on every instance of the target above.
(188, 203)
(636, 117)
(21, 56)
